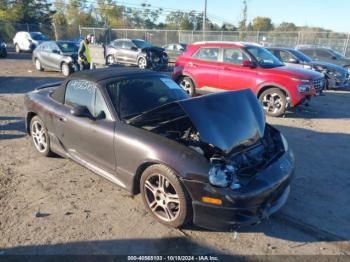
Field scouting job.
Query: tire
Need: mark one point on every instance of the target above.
(172, 196)
(273, 101)
(142, 63)
(187, 85)
(40, 136)
(347, 68)
(18, 50)
(110, 60)
(38, 65)
(66, 70)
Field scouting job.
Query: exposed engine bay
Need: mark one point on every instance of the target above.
(247, 160)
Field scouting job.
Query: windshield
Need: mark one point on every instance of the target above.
(301, 56)
(336, 54)
(264, 58)
(133, 97)
(38, 37)
(141, 43)
(68, 47)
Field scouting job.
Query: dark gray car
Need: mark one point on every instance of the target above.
(326, 55)
(336, 76)
(211, 159)
(56, 55)
(174, 51)
(136, 52)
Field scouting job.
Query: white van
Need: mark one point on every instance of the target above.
(28, 41)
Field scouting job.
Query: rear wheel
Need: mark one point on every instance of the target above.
(110, 60)
(40, 136)
(187, 84)
(165, 197)
(66, 71)
(38, 65)
(273, 101)
(18, 50)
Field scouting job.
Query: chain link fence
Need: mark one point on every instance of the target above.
(337, 41)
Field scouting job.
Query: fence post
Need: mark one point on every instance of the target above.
(192, 36)
(79, 31)
(346, 45)
(257, 37)
(222, 35)
(166, 37)
(299, 36)
(179, 36)
(27, 27)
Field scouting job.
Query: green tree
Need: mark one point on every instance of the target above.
(242, 24)
(260, 23)
(286, 27)
(181, 20)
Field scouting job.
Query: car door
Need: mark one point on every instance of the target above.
(232, 75)
(54, 56)
(44, 54)
(203, 67)
(87, 140)
(130, 52)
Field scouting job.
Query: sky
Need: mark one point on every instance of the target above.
(329, 14)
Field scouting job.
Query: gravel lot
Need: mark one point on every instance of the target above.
(54, 206)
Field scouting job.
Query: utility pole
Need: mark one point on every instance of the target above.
(204, 18)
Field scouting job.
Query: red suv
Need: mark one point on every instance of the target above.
(208, 67)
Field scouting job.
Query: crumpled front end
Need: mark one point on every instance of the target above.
(258, 185)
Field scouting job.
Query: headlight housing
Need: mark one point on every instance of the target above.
(304, 88)
(222, 174)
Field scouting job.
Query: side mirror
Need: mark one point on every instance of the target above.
(81, 111)
(334, 57)
(133, 48)
(182, 49)
(248, 63)
(293, 61)
(55, 51)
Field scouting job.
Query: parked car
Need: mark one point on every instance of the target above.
(28, 41)
(136, 52)
(3, 50)
(212, 159)
(221, 66)
(336, 76)
(327, 55)
(59, 56)
(174, 50)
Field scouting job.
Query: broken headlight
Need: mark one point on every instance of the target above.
(221, 174)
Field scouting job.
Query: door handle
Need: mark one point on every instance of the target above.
(192, 65)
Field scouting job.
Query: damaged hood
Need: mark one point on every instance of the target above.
(225, 120)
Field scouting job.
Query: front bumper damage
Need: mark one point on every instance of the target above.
(265, 194)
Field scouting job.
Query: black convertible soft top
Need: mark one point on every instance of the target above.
(98, 75)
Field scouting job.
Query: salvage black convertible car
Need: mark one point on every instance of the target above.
(212, 159)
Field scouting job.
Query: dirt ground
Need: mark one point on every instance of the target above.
(54, 206)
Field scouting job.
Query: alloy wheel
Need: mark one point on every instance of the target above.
(39, 136)
(65, 70)
(272, 103)
(161, 197)
(186, 85)
(37, 65)
(110, 60)
(142, 63)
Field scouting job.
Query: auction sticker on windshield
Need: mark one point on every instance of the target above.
(170, 83)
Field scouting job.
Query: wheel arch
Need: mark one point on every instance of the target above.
(266, 86)
(29, 118)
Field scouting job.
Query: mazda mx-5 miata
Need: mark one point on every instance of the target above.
(211, 159)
